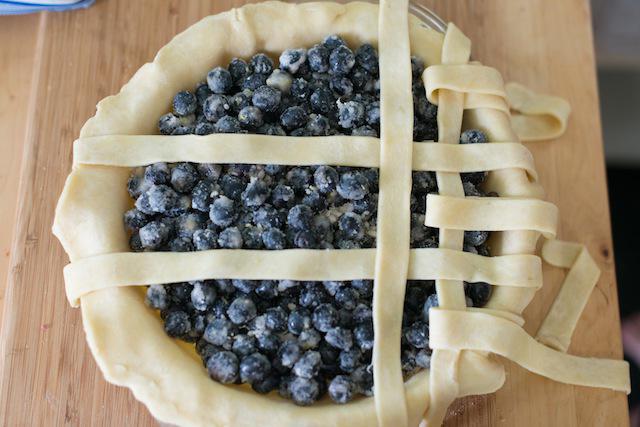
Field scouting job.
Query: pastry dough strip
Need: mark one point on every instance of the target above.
(444, 379)
(394, 213)
(484, 332)
(144, 268)
(141, 150)
(560, 322)
(491, 214)
(537, 116)
(462, 78)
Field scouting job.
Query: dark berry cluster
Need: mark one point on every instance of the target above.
(305, 339)
(326, 90)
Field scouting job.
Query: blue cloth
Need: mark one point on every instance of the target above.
(18, 8)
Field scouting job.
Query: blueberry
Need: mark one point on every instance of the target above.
(230, 238)
(418, 334)
(232, 186)
(267, 216)
(476, 178)
(332, 287)
(325, 178)
(261, 64)
(184, 177)
(350, 114)
(349, 360)
(202, 296)
(333, 41)
(168, 123)
(318, 125)
(268, 343)
(251, 117)
(322, 101)
(135, 219)
(347, 297)
(292, 59)
(202, 93)
(305, 239)
(210, 171)
(184, 103)
(273, 170)
(274, 239)
(223, 367)
(254, 368)
(241, 310)
(364, 287)
(298, 178)
(201, 195)
(372, 113)
(244, 345)
(219, 80)
(341, 85)
(204, 128)
(157, 173)
(222, 211)
(475, 238)
(251, 237)
(353, 186)
(314, 199)
(180, 244)
(367, 58)
(408, 361)
(280, 80)
(423, 182)
(298, 321)
(244, 286)
(341, 60)
(318, 58)
(309, 338)
(254, 81)
(299, 217)
(157, 297)
(266, 98)
(267, 290)
(339, 337)
(479, 292)
(341, 389)
(472, 136)
(204, 240)
(154, 235)
(470, 190)
(365, 131)
(205, 350)
(362, 377)
(228, 124)
(351, 225)
(304, 391)
(270, 383)
(215, 107)
(325, 317)
(240, 100)
(308, 365)
(362, 80)
(238, 69)
(293, 117)
(271, 129)
(432, 301)
(300, 90)
(177, 324)
(275, 319)
(363, 335)
(289, 353)
(255, 194)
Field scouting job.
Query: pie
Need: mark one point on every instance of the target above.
(299, 201)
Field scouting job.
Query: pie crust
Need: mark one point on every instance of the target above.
(127, 338)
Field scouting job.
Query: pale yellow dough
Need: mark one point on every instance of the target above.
(103, 277)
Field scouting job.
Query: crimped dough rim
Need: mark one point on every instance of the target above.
(125, 337)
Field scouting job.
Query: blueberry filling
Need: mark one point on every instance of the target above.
(303, 339)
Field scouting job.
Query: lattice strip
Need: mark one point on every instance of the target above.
(394, 215)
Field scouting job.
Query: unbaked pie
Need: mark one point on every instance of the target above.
(300, 201)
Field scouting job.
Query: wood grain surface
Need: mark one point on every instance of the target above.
(47, 374)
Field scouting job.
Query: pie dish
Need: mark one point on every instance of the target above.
(104, 276)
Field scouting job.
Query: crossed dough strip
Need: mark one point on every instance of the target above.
(139, 269)
(142, 150)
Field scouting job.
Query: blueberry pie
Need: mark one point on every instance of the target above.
(318, 214)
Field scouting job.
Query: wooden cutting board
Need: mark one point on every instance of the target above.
(48, 375)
